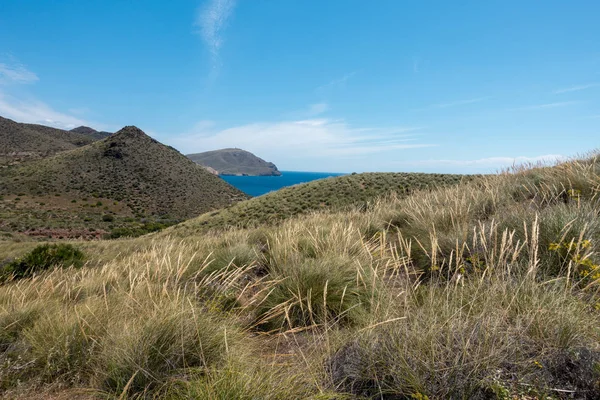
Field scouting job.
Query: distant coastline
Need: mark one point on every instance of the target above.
(234, 162)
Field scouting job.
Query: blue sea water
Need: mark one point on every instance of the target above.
(259, 185)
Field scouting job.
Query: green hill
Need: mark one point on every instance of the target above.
(22, 142)
(235, 162)
(325, 194)
(128, 175)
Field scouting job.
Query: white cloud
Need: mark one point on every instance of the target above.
(453, 104)
(301, 142)
(549, 105)
(319, 108)
(35, 112)
(28, 109)
(16, 73)
(312, 111)
(212, 21)
(490, 162)
(576, 88)
(203, 126)
(460, 102)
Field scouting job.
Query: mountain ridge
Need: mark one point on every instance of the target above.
(129, 173)
(21, 142)
(91, 132)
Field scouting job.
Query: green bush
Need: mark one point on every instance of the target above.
(41, 258)
(136, 231)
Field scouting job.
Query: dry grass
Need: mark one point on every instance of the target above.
(484, 290)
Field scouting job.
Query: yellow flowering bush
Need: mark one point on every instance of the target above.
(579, 254)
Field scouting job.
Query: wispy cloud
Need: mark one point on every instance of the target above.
(457, 103)
(490, 164)
(301, 142)
(460, 102)
(317, 109)
(576, 88)
(36, 112)
(16, 73)
(416, 65)
(493, 161)
(335, 83)
(549, 105)
(211, 19)
(26, 108)
(310, 111)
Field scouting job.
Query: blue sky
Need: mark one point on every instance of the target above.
(313, 85)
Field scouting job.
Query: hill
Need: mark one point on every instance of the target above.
(127, 175)
(333, 193)
(22, 142)
(235, 162)
(90, 132)
(480, 290)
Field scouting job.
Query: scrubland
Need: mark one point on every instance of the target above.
(483, 290)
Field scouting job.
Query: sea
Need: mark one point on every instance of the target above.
(259, 185)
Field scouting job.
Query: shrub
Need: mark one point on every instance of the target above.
(41, 258)
(137, 231)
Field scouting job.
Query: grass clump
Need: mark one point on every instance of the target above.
(42, 258)
(62, 344)
(316, 292)
(141, 356)
(231, 255)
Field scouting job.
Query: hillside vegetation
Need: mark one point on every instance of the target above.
(483, 290)
(91, 132)
(332, 193)
(22, 142)
(235, 162)
(106, 185)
